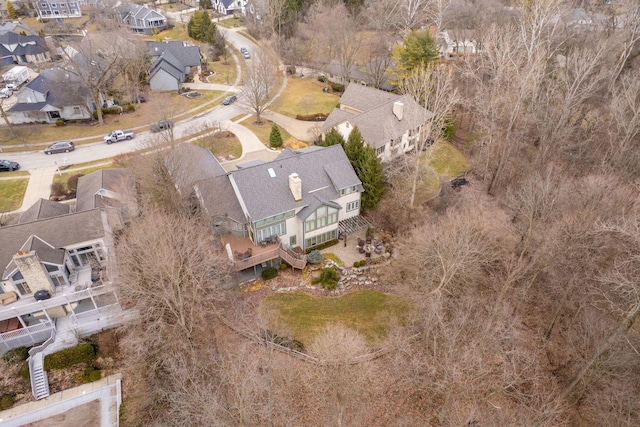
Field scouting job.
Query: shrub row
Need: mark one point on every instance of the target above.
(318, 117)
(360, 263)
(16, 355)
(126, 108)
(337, 87)
(82, 353)
(88, 375)
(323, 245)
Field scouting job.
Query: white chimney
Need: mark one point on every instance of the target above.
(295, 185)
(398, 109)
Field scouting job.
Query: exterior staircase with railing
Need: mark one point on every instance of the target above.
(39, 379)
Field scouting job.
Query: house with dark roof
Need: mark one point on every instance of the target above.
(171, 62)
(371, 74)
(21, 49)
(57, 9)
(268, 212)
(51, 96)
(141, 19)
(388, 122)
(229, 7)
(107, 189)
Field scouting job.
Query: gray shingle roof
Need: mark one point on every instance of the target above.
(28, 106)
(88, 186)
(219, 199)
(265, 196)
(377, 123)
(189, 164)
(43, 209)
(189, 56)
(59, 232)
(45, 251)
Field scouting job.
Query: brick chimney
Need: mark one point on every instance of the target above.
(398, 109)
(295, 185)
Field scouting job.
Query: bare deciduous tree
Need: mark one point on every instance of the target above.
(261, 81)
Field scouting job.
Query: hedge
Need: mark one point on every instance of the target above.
(16, 355)
(82, 353)
(337, 87)
(318, 117)
(324, 245)
(269, 273)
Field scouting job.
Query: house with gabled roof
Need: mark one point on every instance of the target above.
(57, 9)
(268, 212)
(389, 123)
(23, 49)
(172, 61)
(229, 7)
(50, 96)
(141, 19)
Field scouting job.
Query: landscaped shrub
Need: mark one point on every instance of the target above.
(128, 108)
(318, 117)
(107, 111)
(337, 87)
(269, 273)
(16, 355)
(57, 189)
(60, 122)
(322, 246)
(360, 263)
(6, 401)
(275, 138)
(315, 257)
(328, 278)
(89, 375)
(81, 353)
(284, 266)
(24, 370)
(321, 78)
(72, 182)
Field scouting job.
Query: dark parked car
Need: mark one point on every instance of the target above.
(8, 166)
(42, 295)
(60, 147)
(229, 100)
(161, 125)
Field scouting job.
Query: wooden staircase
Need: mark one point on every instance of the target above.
(39, 379)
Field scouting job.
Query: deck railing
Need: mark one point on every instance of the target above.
(292, 258)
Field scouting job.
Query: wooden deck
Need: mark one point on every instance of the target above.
(259, 253)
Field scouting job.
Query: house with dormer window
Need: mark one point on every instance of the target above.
(388, 122)
(265, 213)
(229, 7)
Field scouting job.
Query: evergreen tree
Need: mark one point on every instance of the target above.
(354, 147)
(11, 11)
(275, 138)
(417, 50)
(205, 4)
(370, 172)
(201, 28)
(333, 137)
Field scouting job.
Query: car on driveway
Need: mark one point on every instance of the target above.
(60, 147)
(8, 166)
(161, 125)
(229, 100)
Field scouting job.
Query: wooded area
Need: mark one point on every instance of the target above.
(524, 283)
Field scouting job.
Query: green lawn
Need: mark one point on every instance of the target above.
(366, 311)
(447, 160)
(11, 194)
(179, 32)
(304, 96)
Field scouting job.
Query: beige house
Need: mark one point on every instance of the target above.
(388, 122)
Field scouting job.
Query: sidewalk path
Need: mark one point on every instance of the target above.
(299, 129)
(39, 187)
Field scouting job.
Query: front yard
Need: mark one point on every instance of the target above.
(304, 96)
(11, 193)
(263, 132)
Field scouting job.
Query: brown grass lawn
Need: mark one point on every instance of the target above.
(229, 23)
(179, 32)
(158, 106)
(221, 144)
(11, 193)
(304, 96)
(447, 160)
(64, 177)
(263, 132)
(224, 73)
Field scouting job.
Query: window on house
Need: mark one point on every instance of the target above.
(348, 190)
(293, 240)
(321, 238)
(274, 218)
(322, 217)
(43, 5)
(20, 284)
(352, 206)
(87, 255)
(380, 150)
(76, 110)
(272, 230)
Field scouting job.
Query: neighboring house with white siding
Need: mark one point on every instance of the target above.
(388, 122)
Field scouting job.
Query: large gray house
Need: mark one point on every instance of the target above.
(172, 61)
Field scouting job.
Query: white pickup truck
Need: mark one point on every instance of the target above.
(118, 135)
